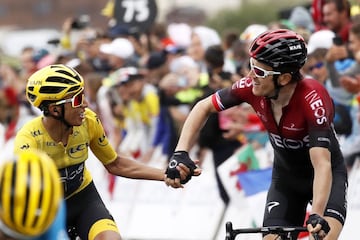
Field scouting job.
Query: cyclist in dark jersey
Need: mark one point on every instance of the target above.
(298, 115)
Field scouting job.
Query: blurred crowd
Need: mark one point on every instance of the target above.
(142, 85)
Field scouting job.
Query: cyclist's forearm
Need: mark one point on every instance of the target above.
(322, 179)
(128, 167)
(194, 122)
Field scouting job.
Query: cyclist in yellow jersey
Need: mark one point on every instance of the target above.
(65, 132)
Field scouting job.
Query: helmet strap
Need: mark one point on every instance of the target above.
(61, 117)
(277, 88)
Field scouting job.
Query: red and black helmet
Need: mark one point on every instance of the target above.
(282, 49)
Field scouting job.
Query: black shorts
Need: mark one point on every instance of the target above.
(287, 207)
(84, 209)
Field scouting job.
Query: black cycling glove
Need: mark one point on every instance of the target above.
(177, 158)
(315, 219)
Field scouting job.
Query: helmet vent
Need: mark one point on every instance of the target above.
(76, 76)
(25, 216)
(31, 97)
(51, 89)
(12, 198)
(74, 89)
(60, 80)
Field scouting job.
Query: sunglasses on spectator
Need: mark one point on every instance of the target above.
(76, 101)
(260, 72)
(316, 66)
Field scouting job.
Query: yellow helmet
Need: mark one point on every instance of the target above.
(30, 194)
(52, 83)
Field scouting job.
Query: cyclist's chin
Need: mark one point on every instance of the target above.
(258, 91)
(77, 122)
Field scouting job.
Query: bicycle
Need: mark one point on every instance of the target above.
(283, 232)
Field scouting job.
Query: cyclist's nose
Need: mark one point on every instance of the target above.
(85, 103)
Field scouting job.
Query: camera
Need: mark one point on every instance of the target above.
(337, 40)
(80, 22)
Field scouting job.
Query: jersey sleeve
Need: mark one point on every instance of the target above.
(99, 142)
(319, 113)
(24, 142)
(239, 92)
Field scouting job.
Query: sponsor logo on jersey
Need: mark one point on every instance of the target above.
(271, 205)
(333, 211)
(103, 140)
(317, 106)
(292, 127)
(324, 139)
(78, 151)
(289, 143)
(25, 146)
(262, 103)
(51, 144)
(36, 133)
(242, 83)
(261, 116)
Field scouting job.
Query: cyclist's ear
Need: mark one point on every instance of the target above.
(54, 110)
(284, 79)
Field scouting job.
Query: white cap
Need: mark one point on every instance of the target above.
(320, 39)
(208, 36)
(120, 47)
(180, 33)
(252, 31)
(183, 62)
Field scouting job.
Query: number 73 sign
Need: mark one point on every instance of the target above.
(139, 14)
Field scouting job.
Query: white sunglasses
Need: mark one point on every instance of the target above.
(76, 101)
(260, 72)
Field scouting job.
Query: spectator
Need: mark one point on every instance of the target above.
(118, 54)
(27, 63)
(13, 115)
(141, 112)
(337, 18)
(350, 80)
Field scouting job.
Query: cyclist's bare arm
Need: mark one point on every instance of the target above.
(194, 122)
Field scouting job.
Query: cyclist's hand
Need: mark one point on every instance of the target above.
(180, 169)
(317, 225)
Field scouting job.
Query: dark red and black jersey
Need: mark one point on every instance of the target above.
(307, 121)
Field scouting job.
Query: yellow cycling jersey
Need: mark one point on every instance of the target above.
(69, 159)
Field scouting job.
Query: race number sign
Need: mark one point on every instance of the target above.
(138, 14)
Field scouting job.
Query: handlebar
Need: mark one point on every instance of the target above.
(279, 230)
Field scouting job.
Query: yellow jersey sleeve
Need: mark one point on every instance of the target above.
(99, 143)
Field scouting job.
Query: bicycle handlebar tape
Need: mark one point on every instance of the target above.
(315, 219)
(177, 158)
